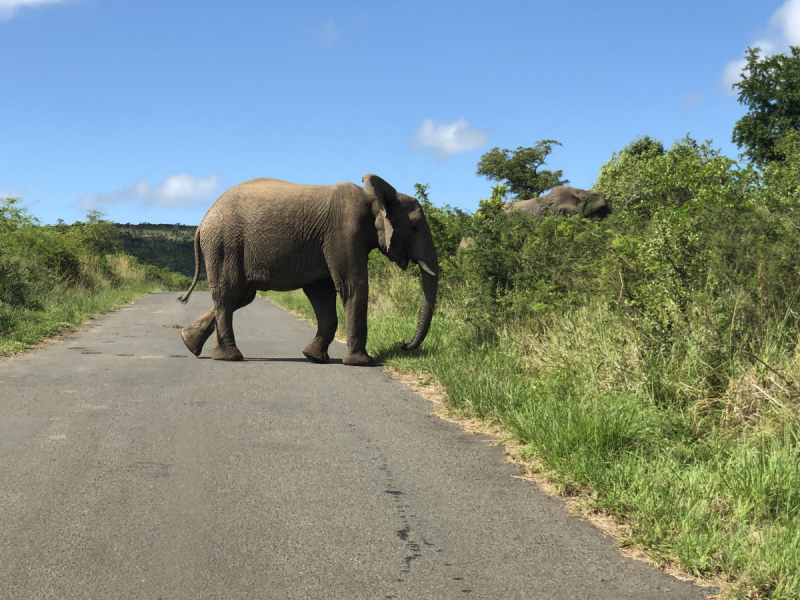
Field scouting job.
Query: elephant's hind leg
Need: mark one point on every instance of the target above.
(196, 334)
(322, 296)
(225, 347)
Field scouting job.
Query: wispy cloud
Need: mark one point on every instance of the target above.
(9, 8)
(327, 33)
(782, 31)
(175, 191)
(9, 192)
(446, 139)
(693, 98)
(331, 31)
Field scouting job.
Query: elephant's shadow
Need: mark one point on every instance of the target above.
(381, 355)
(334, 361)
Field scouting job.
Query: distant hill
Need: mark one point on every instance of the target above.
(161, 245)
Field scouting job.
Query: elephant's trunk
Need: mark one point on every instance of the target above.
(430, 286)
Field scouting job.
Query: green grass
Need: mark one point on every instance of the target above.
(712, 486)
(60, 307)
(63, 310)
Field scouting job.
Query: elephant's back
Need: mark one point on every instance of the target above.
(257, 199)
(529, 206)
(273, 191)
(564, 193)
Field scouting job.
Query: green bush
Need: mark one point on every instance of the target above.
(55, 276)
(448, 225)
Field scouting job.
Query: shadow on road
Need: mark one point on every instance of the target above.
(334, 361)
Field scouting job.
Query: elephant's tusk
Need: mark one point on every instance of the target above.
(425, 268)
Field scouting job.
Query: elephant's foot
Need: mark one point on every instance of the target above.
(315, 353)
(193, 341)
(197, 333)
(226, 353)
(358, 359)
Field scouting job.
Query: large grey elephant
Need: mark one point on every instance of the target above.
(566, 200)
(268, 234)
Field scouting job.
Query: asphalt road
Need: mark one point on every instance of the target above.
(131, 469)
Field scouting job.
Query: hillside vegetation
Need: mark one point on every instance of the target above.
(54, 277)
(163, 246)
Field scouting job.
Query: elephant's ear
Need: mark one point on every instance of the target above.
(385, 194)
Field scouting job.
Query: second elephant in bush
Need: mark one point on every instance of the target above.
(565, 200)
(562, 200)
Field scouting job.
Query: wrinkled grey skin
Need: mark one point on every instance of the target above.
(565, 200)
(267, 234)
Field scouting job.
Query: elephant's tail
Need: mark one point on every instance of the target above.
(197, 253)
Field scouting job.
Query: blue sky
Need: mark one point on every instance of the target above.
(148, 110)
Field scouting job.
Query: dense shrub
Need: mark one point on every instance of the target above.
(448, 225)
(52, 276)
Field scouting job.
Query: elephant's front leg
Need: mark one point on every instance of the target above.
(196, 334)
(355, 310)
(322, 295)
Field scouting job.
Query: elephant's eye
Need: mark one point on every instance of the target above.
(414, 230)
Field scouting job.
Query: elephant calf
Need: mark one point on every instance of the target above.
(267, 234)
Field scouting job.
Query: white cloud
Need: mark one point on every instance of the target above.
(732, 73)
(327, 33)
(782, 31)
(446, 139)
(175, 191)
(787, 20)
(9, 8)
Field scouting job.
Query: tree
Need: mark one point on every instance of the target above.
(782, 178)
(448, 225)
(520, 169)
(14, 216)
(644, 146)
(97, 235)
(644, 178)
(770, 88)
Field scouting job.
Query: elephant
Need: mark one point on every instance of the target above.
(562, 200)
(565, 200)
(268, 234)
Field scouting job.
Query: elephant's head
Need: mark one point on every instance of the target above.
(403, 236)
(595, 206)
